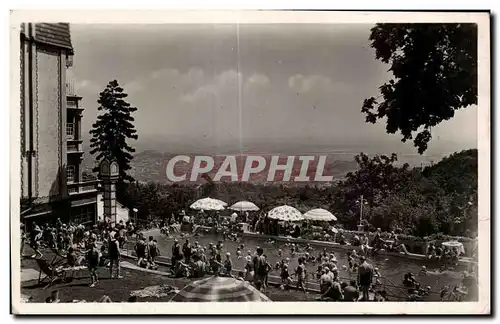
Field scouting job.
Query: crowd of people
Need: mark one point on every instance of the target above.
(364, 283)
(100, 246)
(77, 245)
(195, 261)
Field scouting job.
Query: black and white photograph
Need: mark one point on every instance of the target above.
(190, 162)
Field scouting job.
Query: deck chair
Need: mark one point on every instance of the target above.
(51, 274)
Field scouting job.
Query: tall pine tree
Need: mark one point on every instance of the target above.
(113, 128)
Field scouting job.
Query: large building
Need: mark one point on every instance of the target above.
(52, 184)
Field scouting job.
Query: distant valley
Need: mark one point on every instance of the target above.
(150, 165)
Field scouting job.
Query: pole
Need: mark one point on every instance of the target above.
(361, 211)
(360, 226)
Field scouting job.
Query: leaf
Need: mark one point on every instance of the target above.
(434, 69)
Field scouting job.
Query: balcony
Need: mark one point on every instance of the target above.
(75, 148)
(75, 188)
(71, 97)
(72, 105)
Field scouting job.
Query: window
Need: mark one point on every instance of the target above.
(70, 130)
(70, 173)
(83, 214)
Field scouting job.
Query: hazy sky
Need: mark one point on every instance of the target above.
(295, 83)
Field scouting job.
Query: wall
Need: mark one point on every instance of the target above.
(24, 101)
(49, 115)
(122, 213)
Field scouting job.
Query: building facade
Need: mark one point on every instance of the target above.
(52, 185)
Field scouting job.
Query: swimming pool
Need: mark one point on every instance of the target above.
(392, 268)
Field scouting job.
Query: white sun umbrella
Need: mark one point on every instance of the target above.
(285, 213)
(319, 214)
(223, 203)
(244, 206)
(207, 204)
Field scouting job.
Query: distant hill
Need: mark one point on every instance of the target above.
(457, 173)
(150, 164)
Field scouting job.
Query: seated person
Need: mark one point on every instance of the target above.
(378, 242)
(422, 291)
(431, 251)
(351, 292)
(342, 239)
(334, 292)
(380, 296)
(439, 252)
(198, 267)
(409, 280)
(325, 281)
(413, 295)
(71, 259)
(356, 241)
(350, 260)
(319, 272)
(396, 246)
(454, 255)
(241, 276)
(181, 269)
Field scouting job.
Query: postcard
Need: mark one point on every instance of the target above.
(250, 162)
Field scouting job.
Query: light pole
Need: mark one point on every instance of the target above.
(362, 202)
(135, 216)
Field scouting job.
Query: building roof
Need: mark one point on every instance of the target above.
(55, 34)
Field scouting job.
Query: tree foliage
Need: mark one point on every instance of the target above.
(113, 128)
(434, 69)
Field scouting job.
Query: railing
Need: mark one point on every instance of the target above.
(75, 147)
(70, 88)
(71, 104)
(82, 187)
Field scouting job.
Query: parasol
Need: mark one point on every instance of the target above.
(208, 204)
(286, 213)
(320, 214)
(454, 244)
(244, 206)
(219, 289)
(223, 203)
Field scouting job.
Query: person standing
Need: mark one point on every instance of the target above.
(325, 280)
(365, 277)
(35, 237)
(259, 265)
(300, 273)
(186, 250)
(140, 251)
(23, 240)
(93, 263)
(114, 256)
(228, 265)
(152, 251)
(176, 251)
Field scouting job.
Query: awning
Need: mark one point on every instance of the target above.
(83, 202)
(37, 211)
(37, 214)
